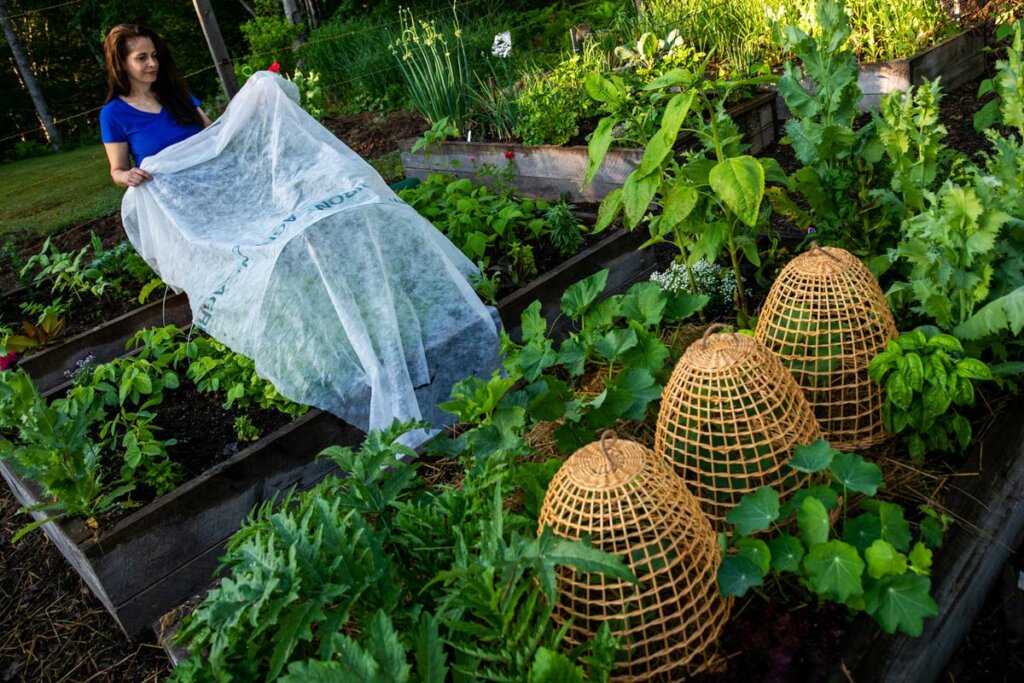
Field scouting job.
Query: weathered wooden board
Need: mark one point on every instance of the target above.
(547, 171)
(956, 61)
(106, 341)
(989, 509)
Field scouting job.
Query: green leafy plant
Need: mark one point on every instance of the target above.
(245, 430)
(373, 574)
(551, 104)
(310, 95)
(868, 562)
(711, 203)
(439, 131)
(433, 62)
(926, 377)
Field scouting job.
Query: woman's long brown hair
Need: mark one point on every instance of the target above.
(169, 87)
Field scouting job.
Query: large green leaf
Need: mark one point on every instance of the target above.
(615, 342)
(644, 303)
(835, 569)
(597, 148)
(737, 575)
(550, 666)
(813, 457)
(812, 519)
(755, 512)
(679, 204)
(884, 560)
(609, 210)
(862, 531)
(901, 602)
(739, 182)
(895, 528)
(580, 295)
(755, 550)
(856, 474)
(637, 194)
(786, 552)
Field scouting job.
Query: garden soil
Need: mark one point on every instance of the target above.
(53, 629)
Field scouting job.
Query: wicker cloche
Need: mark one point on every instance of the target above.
(826, 318)
(628, 501)
(730, 417)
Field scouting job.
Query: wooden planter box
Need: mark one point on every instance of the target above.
(958, 60)
(547, 171)
(167, 551)
(989, 526)
(106, 341)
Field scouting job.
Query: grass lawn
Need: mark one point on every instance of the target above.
(44, 195)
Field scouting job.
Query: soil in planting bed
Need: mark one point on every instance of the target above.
(375, 133)
(51, 627)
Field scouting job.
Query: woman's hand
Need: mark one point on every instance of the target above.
(134, 177)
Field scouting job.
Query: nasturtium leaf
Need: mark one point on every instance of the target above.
(615, 342)
(739, 182)
(895, 528)
(812, 518)
(755, 512)
(920, 559)
(644, 303)
(755, 550)
(580, 295)
(901, 602)
(813, 457)
(884, 560)
(862, 531)
(826, 494)
(835, 569)
(931, 532)
(786, 552)
(856, 474)
(736, 575)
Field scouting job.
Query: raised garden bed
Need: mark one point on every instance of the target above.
(166, 551)
(550, 170)
(47, 367)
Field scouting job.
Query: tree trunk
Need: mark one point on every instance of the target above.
(215, 41)
(291, 11)
(28, 78)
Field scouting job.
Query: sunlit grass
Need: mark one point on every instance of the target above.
(45, 195)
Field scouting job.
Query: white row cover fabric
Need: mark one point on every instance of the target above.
(295, 253)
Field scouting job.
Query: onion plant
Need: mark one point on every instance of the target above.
(432, 59)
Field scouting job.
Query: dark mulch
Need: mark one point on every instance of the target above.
(51, 627)
(373, 134)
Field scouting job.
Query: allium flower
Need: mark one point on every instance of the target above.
(502, 45)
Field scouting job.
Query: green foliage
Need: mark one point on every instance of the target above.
(371, 575)
(868, 562)
(1008, 108)
(270, 36)
(927, 377)
(432, 60)
(310, 95)
(551, 105)
(712, 203)
(109, 273)
(497, 230)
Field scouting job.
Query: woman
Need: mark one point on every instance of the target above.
(148, 106)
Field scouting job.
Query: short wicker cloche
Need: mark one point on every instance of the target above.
(730, 417)
(628, 501)
(826, 318)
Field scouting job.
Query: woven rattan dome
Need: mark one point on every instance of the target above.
(630, 503)
(826, 318)
(730, 417)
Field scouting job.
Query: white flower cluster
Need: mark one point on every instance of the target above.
(710, 278)
(502, 45)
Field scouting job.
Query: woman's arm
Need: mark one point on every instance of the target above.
(121, 170)
(204, 117)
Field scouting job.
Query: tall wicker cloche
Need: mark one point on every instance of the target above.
(826, 318)
(730, 417)
(628, 502)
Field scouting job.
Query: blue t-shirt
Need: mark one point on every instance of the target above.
(145, 133)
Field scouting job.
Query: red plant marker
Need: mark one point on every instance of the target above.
(275, 67)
